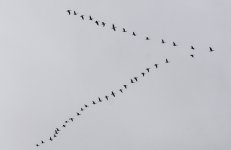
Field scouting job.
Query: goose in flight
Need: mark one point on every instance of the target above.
(81, 109)
(106, 97)
(93, 102)
(103, 23)
(64, 125)
(82, 16)
(132, 81)
(78, 114)
(66, 121)
(75, 13)
(54, 135)
(56, 132)
(121, 90)
(136, 78)
(51, 139)
(97, 22)
(86, 105)
(42, 142)
(211, 49)
(90, 18)
(192, 48)
(113, 27)
(99, 99)
(57, 129)
(37, 145)
(147, 38)
(143, 74)
(174, 44)
(124, 30)
(69, 12)
(148, 69)
(166, 61)
(163, 41)
(156, 65)
(125, 86)
(133, 33)
(192, 55)
(72, 119)
(112, 93)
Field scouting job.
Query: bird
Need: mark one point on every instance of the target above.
(97, 22)
(64, 126)
(132, 81)
(69, 12)
(121, 90)
(78, 114)
(93, 102)
(37, 145)
(143, 74)
(66, 121)
(103, 23)
(82, 16)
(106, 97)
(136, 78)
(133, 33)
(192, 47)
(166, 61)
(124, 30)
(72, 119)
(148, 69)
(211, 49)
(42, 142)
(99, 99)
(75, 13)
(86, 105)
(54, 135)
(192, 55)
(82, 109)
(56, 132)
(57, 129)
(113, 27)
(156, 65)
(147, 38)
(51, 139)
(90, 18)
(125, 86)
(112, 93)
(174, 44)
(163, 41)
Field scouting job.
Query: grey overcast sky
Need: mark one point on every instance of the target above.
(51, 64)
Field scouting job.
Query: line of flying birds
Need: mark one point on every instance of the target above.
(114, 93)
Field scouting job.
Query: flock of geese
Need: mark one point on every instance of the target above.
(113, 93)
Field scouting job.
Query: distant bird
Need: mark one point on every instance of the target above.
(54, 135)
(64, 126)
(143, 74)
(82, 16)
(75, 13)
(93, 102)
(42, 142)
(136, 78)
(174, 44)
(125, 86)
(37, 145)
(112, 93)
(90, 18)
(192, 47)
(166, 61)
(132, 81)
(99, 99)
(147, 38)
(69, 12)
(72, 119)
(133, 33)
(163, 41)
(81, 109)
(121, 90)
(156, 65)
(103, 23)
(97, 22)
(57, 129)
(124, 30)
(56, 132)
(113, 27)
(148, 69)
(211, 49)
(66, 121)
(86, 105)
(51, 139)
(106, 97)
(192, 55)
(78, 114)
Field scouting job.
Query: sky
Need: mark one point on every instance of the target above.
(51, 64)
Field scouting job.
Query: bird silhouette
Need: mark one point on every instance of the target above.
(125, 86)
(57, 129)
(106, 97)
(54, 135)
(69, 12)
(90, 18)
(174, 44)
(93, 102)
(72, 119)
(64, 126)
(192, 55)
(156, 65)
(51, 139)
(99, 99)
(166, 61)
(103, 23)
(66, 121)
(113, 27)
(42, 142)
(143, 74)
(97, 22)
(121, 90)
(124, 30)
(136, 78)
(82, 16)
(81, 109)
(132, 81)
(112, 93)
(37, 145)
(75, 13)
(56, 132)
(78, 114)
(133, 33)
(163, 41)
(86, 105)
(147, 38)
(148, 69)
(192, 47)
(211, 49)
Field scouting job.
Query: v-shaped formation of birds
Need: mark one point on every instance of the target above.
(113, 93)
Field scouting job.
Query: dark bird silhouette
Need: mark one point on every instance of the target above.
(81, 109)
(192, 55)
(78, 114)
(99, 99)
(103, 23)
(51, 139)
(133, 33)
(82, 16)
(69, 12)
(132, 81)
(42, 142)
(147, 38)
(106, 97)
(113, 27)
(211, 49)
(163, 41)
(97, 22)
(156, 65)
(54, 135)
(57, 129)
(66, 121)
(148, 69)
(124, 30)
(56, 132)
(143, 74)
(136, 78)
(166, 61)
(37, 145)
(90, 18)
(93, 102)
(125, 86)
(121, 90)
(75, 13)
(86, 105)
(192, 47)
(174, 44)
(64, 126)
(112, 93)
(72, 119)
